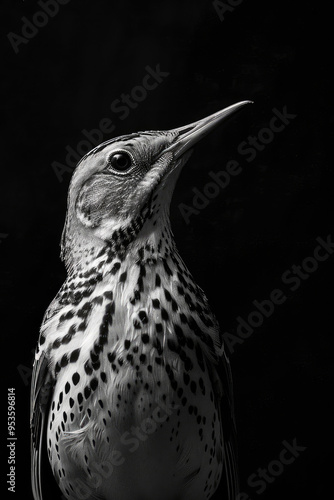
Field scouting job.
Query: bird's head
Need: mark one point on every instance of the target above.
(125, 184)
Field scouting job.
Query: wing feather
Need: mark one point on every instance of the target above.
(41, 390)
(221, 377)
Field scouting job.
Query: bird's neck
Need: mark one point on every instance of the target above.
(150, 266)
(154, 243)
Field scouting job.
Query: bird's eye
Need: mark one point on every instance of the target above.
(120, 161)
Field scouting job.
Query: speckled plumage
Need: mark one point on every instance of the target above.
(130, 379)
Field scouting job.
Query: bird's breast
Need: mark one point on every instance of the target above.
(130, 358)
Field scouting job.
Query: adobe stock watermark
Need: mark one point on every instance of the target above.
(122, 108)
(292, 279)
(260, 479)
(131, 441)
(31, 27)
(249, 148)
(222, 8)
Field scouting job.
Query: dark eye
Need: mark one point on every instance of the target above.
(120, 161)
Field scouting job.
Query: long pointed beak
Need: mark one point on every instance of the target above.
(189, 135)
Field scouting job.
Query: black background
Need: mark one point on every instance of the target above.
(277, 54)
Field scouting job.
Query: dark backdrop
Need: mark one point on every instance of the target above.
(65, 78)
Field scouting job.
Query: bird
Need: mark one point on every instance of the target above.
(131, 391)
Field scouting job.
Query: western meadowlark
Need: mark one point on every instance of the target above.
(131, 383)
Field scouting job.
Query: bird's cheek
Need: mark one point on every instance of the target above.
(86, 213)
(86, 219)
